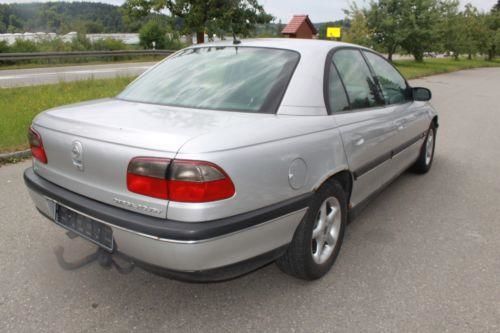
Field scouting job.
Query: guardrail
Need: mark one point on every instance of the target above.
(82, 54)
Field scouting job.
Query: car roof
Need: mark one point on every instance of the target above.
(296, 44)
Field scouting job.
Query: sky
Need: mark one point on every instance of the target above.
(318, 10)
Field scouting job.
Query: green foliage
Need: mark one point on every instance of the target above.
(211, 17)
(63, 17)
(21, 45)
(3, 46)
(80, 43)
(451, 29)
(109, 44)
(385, 20)
(358, 32)
(420, 26)
(419, 20)
(152, 32)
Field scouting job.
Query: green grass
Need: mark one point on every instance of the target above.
(18, 106)
(411, 69)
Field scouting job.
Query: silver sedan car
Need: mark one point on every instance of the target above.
(225, 157)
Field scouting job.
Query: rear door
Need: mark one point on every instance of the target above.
(366, 124)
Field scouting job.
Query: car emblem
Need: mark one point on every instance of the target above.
(77, 155)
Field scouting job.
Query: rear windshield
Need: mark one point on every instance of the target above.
(228, 78)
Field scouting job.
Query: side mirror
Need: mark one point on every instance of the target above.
(421, 94)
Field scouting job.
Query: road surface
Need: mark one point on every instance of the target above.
(424, 256)
(36, 76)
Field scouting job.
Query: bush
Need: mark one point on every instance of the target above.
(109, 44)
(21, 45)
(173, 42)
(81, 43)
(53, 45)
(3, 46)
(153, 32)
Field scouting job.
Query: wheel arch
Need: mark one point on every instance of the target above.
(345, 179)
(435, 121)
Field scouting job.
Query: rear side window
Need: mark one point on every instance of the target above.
(393, 85)
(336, 94)
(358, 81)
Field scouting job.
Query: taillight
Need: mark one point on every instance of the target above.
(36, 146)
(197, 181)
(148, 176)
(178, 180)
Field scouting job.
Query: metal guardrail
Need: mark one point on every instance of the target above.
(82, 54)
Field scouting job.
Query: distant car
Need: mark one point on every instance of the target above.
(224, 157)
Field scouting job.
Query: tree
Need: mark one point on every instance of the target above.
(358, 32)
(451, 28)
(419, 20)
(152, 32)
(490, 43)
(474, 31)
(385, 20)
(200, 16)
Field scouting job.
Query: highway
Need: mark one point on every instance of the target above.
(48, 75)
(424, 256)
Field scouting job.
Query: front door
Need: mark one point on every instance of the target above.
(366, 124)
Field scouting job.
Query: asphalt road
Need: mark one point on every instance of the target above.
(36, 76)
(424, 256)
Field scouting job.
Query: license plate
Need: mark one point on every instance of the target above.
(86, 227)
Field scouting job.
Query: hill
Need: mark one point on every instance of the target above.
(62, 17)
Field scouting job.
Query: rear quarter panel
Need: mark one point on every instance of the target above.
(260, 171)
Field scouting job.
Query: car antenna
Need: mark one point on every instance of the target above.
(236, 41)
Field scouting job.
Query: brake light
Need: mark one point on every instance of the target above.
(197, 181)
(36, 146)
(178, 180)
(148, 176)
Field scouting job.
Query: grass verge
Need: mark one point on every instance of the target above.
(412, 70)
(18, 106)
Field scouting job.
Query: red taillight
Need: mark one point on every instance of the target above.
(36, 146)
(148, 176)
(178, 180)
(197, 181)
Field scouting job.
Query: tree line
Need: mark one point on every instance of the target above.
(64, 17)
(420, 27)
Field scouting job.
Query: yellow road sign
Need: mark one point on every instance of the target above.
(333, 32)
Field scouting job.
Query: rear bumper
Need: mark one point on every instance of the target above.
(233, 245)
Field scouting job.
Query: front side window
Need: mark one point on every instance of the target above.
(219, 78)
(393, 85)
(358, 81)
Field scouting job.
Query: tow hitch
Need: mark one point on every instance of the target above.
(103, 257)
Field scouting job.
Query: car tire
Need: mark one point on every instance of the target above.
(426, 157)
(318, 238)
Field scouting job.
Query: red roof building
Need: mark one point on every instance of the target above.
(300, 27)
